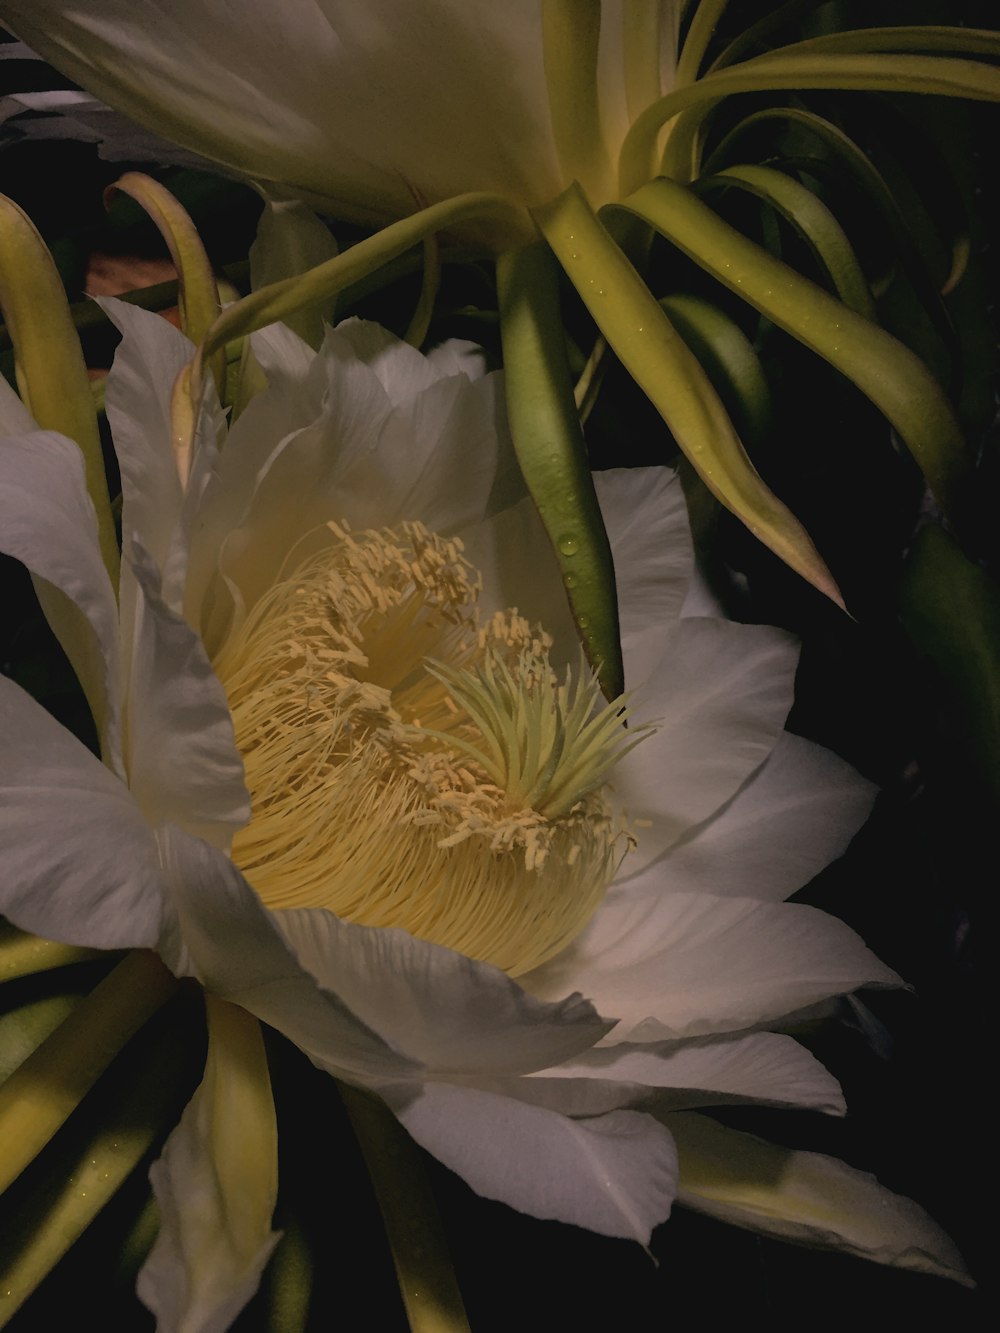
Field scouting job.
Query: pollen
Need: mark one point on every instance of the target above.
(413, 762)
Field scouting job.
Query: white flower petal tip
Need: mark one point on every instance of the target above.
(671, 965)
(78, 863)
(216, 1184)
(806, 1198)
(614, 1174)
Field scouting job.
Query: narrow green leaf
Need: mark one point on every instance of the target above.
(87, 1169)
(545, 428)
(910, 37)
(281, 299)
(22, 954)
(672, 378)
(811, 219)
(51, 374)
(867, 72)
(198, 291)
(892, 376)
(951, 610)
(427, 1281)
(700, 31)
(24, 1027)
(49, 1085)
(729, 361)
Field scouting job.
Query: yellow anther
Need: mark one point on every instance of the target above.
(413, 766)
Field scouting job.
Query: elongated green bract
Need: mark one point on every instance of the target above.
(892, 376)
(672, 378)
(811, 219)
(551, 451)
(51, 374)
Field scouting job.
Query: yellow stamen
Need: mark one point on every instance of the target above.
(413, 766)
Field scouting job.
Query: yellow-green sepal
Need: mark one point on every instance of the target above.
(673, 379)
(552, 453)
(51, 374)
(894, 378)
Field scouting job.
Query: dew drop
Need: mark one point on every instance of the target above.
(569, 580)
(568, 544)
(574, 254)
(583, 620)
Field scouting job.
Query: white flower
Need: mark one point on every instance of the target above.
(369, 110)
(410, 821)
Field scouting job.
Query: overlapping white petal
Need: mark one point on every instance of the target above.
(78, 861)
(614, 1173)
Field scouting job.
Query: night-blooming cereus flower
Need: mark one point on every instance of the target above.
(455, 880)
(368, 111)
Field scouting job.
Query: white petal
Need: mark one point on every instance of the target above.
(148, 360)
(47, 521)
(78, 863)
(762, 1067)
(687, 964)
(721, 693)
(796, 814)
(184, 766)
(363, 460)
(647, 524)
(225, 937)
(440, 1008)
(806, 1197)
(614, 1174)
(216, 1184)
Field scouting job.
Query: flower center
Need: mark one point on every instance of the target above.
(413, 764)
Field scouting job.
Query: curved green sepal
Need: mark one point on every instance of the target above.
(950, 608)
(22, 954)
(49, 1085)
(24, 1027)
(430, 281)
(811, 219)
(51, 374)
(545, 428)
(426, 1278)
(107, 1142)
(729, 359)
(198, 290)
(893, 377)
(944, 76)
(672, 378)
(281, 299)
(907, 37)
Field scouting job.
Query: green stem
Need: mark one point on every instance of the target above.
(545, 428)
(427, 1281)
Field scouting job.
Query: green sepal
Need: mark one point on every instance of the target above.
(673, 379)
(811, 219)
(551, 450)
(729, 360)
(887, 372)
